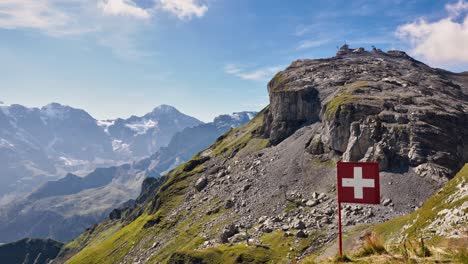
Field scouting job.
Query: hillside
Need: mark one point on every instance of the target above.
(435, 233)
(441, 222)
(271, 182)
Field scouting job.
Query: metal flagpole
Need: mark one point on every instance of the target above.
(340, 241)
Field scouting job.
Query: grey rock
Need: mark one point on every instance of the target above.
(301, 234)
(228, 204)
(298, 224)
(221, 174)
(201, 183)
(329, 211)
(228, 232)
(386, 202)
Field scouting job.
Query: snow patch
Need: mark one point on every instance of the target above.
(72, 162)
(164, 109)
(143, 126)
(105, 124)
(236, 116)
(119, 146)
(55, 111)
(5, 144)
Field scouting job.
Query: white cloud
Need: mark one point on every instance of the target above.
(307, 44)
(72, 16)
(115, 24)
(440, 42)
(31, 14)
(123, 8)
(66, 17)
(184, 9)
(457, 9)
(260, 74)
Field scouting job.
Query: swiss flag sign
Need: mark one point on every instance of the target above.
(358, 182)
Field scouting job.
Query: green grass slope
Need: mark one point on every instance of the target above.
(435, 233)
(111, 241)
(442, 218)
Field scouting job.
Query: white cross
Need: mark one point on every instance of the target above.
(358, 183)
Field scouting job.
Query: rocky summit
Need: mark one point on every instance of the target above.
(265, 192)
(374, 106)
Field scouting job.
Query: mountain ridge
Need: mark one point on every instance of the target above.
(63, 208)
(271, 181)
(40, 144)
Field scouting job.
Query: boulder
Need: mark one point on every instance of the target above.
(311, 203)
(386, 202)
(228, 204)
(228, 232)
(298, 224)
(301, 234)
(201, 183)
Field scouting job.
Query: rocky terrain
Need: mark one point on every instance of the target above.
(64, 208)
(43, 144)
(265, 192)
(375, 106)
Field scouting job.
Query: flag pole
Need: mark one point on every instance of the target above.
(340, 241)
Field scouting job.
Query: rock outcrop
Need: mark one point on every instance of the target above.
(375, 106)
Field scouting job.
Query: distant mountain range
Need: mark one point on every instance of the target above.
(64, 208)
(30, 251)
(40, 144)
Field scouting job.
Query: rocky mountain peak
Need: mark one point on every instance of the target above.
(376, 105)
(233, 120)
(164, 108)
(60, 112)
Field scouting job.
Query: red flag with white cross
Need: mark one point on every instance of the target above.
(357, 182)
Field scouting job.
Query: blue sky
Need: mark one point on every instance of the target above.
(115, 58)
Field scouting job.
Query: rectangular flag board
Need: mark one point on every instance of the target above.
(358, 182)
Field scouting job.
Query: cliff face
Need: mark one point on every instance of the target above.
(374, 106)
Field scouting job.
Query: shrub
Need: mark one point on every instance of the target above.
(372, 246)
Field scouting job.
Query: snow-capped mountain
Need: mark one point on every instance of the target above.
(40, 144)
(138, 137)
(63, 208)
(234, 119)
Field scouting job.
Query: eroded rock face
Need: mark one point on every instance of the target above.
(375, 106)
(289, 110)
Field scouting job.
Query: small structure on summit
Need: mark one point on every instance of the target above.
(343, 50)
(359, 50)
(376, 50)
(346, 50)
